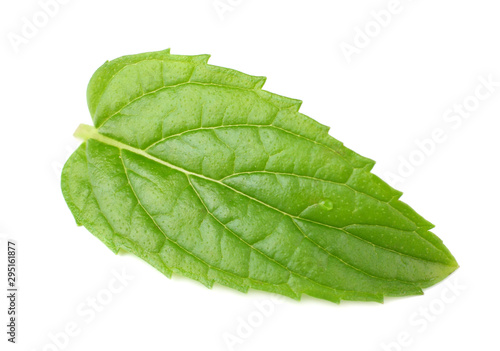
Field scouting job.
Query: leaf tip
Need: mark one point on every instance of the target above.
(201, 59)
(260, 82)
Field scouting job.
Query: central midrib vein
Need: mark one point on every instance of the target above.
(86, 132)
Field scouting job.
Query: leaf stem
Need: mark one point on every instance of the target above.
(85, 132)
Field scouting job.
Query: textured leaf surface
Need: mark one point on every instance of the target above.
(198, 171)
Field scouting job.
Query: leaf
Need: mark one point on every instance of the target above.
(198, 171)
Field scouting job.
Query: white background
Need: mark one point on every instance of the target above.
(380, 101)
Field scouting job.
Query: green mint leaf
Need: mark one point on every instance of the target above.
(198, 171)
